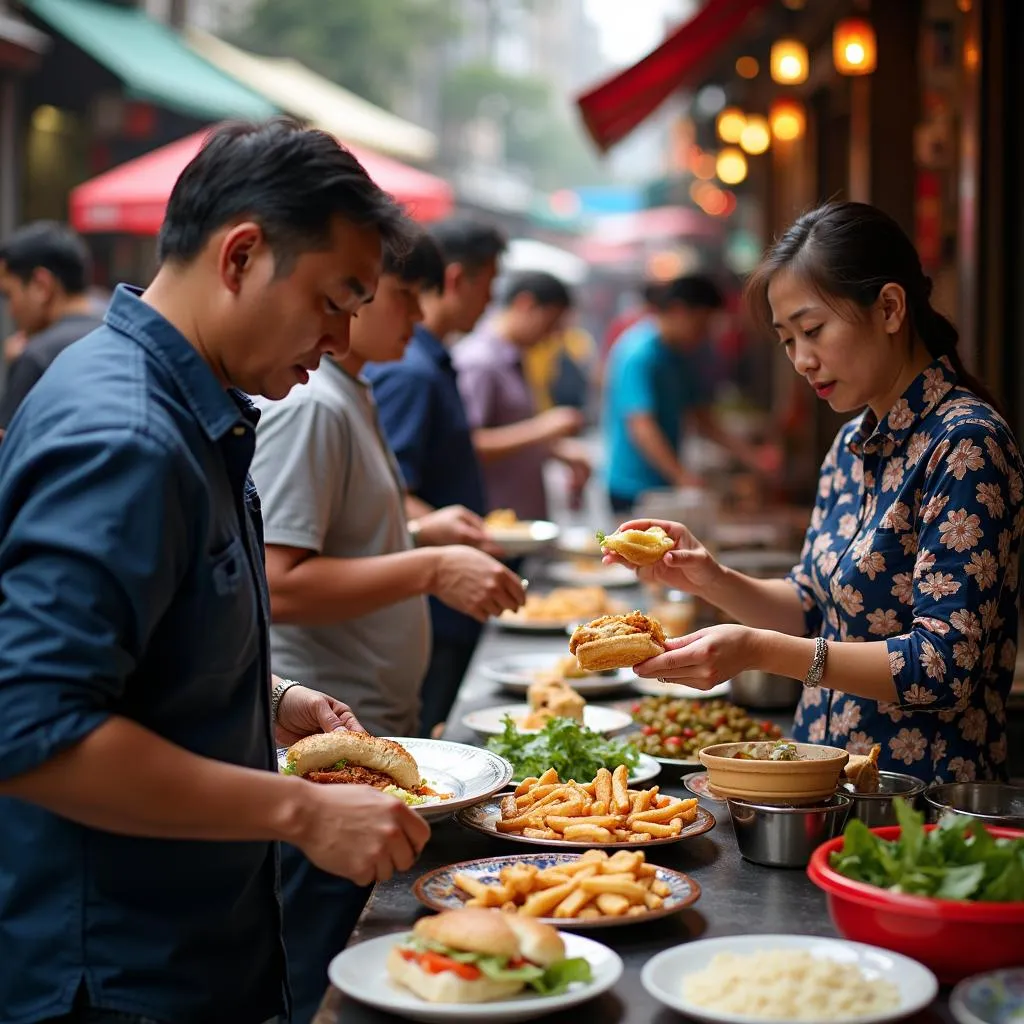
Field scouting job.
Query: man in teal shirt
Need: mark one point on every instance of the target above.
(658, 378)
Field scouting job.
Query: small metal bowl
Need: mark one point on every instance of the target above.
(784, 836)
(876, 809)
(995, 803)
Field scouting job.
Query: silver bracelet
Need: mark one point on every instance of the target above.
(279, 690)
(817, 669)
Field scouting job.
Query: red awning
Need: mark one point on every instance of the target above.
(614, 108)
(131, 199)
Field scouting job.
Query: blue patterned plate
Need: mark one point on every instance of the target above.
(994, 998)
(438, 891)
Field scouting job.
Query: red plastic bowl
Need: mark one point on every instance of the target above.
(954, 938)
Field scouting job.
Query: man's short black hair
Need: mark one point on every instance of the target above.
(468, 242)
(422, 264)
(697, 291)
(52, 246)
(544, 288)
(291, 180)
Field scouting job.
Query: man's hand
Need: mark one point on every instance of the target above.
(357, 832)
(303, 712)
(475, 584)
(561, 421)
(454, 524)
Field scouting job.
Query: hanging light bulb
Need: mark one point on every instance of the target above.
(788, 119)
(731, 166)
(756, 136)
(730, 124)
(854, 48)
(789, 62)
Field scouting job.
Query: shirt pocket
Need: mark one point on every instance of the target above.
(226, 638)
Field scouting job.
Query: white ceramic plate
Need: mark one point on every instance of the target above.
(438, 891)
(579, 541)
(663, 975)
(591, 573)
(469, 773)
(484, 818)
(488, 721)
(516, 624)
(647, 768)
(360, 973)
(652, 688)
(519, 672)
(525, 537)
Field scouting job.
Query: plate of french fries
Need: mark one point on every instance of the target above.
(602, 812)
(590, 890)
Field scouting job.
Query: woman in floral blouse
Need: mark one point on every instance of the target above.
(909, 568)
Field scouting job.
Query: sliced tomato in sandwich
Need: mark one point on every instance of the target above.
(437, 963)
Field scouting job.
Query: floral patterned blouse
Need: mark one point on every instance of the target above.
(915, 540)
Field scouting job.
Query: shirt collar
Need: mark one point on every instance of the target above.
(926, 391)
(500, 348)
(432, 345)
(215, 408)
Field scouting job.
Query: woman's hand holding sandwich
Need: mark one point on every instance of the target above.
(688, 565)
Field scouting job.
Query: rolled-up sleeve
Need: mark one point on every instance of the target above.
(93, 544)
(968, 534)
(801, 576)
(405, 403)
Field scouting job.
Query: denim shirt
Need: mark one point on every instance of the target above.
(915, 541)
(132, 584)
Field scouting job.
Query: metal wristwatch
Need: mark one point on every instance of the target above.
(279, 690)
(817, 669)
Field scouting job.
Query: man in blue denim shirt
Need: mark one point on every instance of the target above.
(138, 879)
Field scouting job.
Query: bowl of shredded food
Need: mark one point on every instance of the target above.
(742, 978)
(949, 895)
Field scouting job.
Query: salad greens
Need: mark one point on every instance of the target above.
(959, 860)
(573, 750)
(289, 768)
(600, 537)
(553, 981)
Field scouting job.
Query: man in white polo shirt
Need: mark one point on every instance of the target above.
(349, 576)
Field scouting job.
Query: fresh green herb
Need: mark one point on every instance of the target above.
(573, 750)
(341, 764)
(410, 799)
(959, 860)
(600, 537)
(288, 769)
(551, 982)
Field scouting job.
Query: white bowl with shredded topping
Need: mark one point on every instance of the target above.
(748, 979)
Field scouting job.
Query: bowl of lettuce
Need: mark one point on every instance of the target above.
(573, 750)
(949, 895)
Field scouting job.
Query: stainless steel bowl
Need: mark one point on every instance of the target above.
(995, 803)
(756, 689)
(876, 809)
(779, 836)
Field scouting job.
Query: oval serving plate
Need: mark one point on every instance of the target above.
(518, 672)
(438, 891)
(469, 773)
(483, 817)
(489, 721)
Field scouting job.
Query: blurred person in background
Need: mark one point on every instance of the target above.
(513, 440)
(560, 368)
(422, 415)
(348, 576)
(44, 276)
(138, 712)
(656, 383)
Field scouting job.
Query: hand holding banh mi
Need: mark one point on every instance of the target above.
(594, 886)
(686, 565)
(617, 641)
(603, 811)
(638, 547)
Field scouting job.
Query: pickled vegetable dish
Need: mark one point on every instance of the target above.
(674, 728)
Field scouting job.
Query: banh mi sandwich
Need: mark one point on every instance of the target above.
(356, 758)
(617, 641)
(479, 956)
(552, 698)
(640, 547)
(862, 771)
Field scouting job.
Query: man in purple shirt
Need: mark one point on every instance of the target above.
(513, 440)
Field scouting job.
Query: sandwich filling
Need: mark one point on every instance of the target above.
(436, 958)
(608, 626)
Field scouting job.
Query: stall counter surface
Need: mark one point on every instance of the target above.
(737, 897)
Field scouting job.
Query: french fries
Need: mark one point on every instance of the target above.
(595, 885)
(603, 811)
